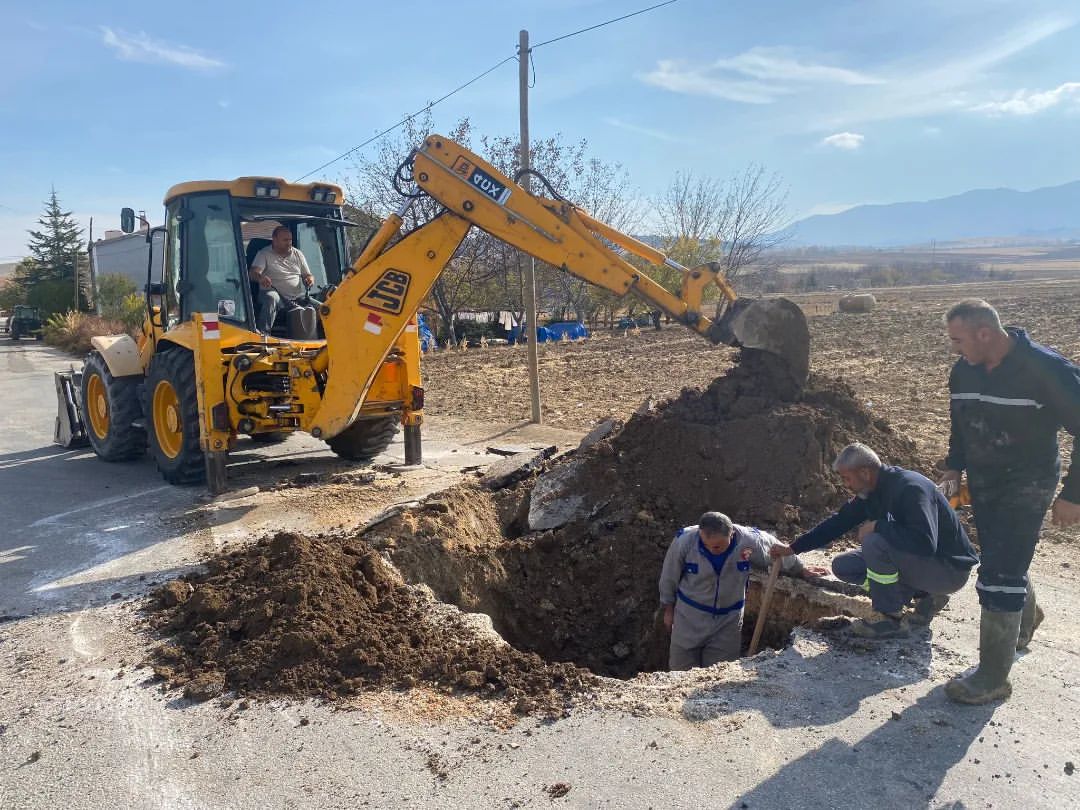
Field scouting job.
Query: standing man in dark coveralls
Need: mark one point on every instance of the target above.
(1008, 398)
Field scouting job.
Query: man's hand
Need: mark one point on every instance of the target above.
(866, 527)
(949, 485)
(809, 571)
(778, 550)
(265, 282)
(669, 616)
(308, 279)
(1065, 513)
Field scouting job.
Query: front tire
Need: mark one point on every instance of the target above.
(173, 415)
(365, 438)
(110, 409)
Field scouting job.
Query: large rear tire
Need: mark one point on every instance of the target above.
(365, 438)
(173, 416)
(110, 409)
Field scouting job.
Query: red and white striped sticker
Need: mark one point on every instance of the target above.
(374, 323)
(211, 329)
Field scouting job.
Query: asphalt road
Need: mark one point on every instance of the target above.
(823, 724)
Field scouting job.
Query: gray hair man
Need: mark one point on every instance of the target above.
(282, 274)
(1009, 396)
(912, 543)
(703, 586)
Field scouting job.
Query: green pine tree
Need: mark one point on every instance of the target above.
(56, 255)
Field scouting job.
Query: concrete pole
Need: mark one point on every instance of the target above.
(530, 268)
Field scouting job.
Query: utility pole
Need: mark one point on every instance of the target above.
(75, 268)
(530, 267)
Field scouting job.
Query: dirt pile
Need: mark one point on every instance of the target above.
(323, 617)
(585, 591)
(331, 616)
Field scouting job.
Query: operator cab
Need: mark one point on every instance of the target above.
(215, 228)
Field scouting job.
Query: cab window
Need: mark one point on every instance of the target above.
(211, 276)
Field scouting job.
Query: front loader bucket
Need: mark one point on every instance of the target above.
(774, 325)
(69, 430)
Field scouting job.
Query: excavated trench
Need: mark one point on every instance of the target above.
(585, 594)
(563, 556)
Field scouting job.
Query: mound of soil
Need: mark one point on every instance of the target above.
(319, 616)
(330, 617)
(749, 445)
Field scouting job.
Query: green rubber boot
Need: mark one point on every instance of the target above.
(1030, 620)
(998, 633)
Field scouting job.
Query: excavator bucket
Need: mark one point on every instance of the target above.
(69, 430)
(773, 325)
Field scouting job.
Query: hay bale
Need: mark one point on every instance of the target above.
(864, 302)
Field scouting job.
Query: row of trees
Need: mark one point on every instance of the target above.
(699, 219)
(892, 274)
(46, 278)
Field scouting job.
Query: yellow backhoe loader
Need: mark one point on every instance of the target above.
(201, 374)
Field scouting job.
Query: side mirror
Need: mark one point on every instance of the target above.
(127, 220)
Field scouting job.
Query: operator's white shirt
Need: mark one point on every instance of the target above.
(284, 272)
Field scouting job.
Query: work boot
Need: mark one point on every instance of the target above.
(1030, 619)
(998, 633)
(927, 607)
(888, 626)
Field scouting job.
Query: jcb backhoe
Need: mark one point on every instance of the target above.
(200, 373)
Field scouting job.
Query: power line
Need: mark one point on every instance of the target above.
(477, 78)
(408, 118)
(601, 25)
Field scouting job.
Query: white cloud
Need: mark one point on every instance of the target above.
(1025, 103)
(914, 91)
(656, 134)
(844, 140)
(756, 76)
(141, 48)
(776, 64)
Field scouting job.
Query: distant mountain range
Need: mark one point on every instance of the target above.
(1051, 213)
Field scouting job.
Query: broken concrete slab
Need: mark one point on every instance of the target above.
(600, 432)
(514, 468)
(552, 503)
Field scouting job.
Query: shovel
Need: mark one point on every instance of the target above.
(763, 611)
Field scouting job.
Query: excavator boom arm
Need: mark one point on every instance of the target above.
(555, 231)
(376, 302)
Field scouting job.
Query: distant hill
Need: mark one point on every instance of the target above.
(1051, 213)
(7, 268)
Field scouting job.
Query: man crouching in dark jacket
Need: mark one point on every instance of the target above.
(913, 545)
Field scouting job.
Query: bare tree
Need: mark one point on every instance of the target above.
(703, 220)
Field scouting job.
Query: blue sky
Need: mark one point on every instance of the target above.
(851, 102)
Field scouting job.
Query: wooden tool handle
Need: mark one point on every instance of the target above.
(763, 610)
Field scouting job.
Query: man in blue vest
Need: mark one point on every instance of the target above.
(1009, 396)
(913, 545)
(703, 584)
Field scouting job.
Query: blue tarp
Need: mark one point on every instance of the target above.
(575, 330)
(427, 340)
